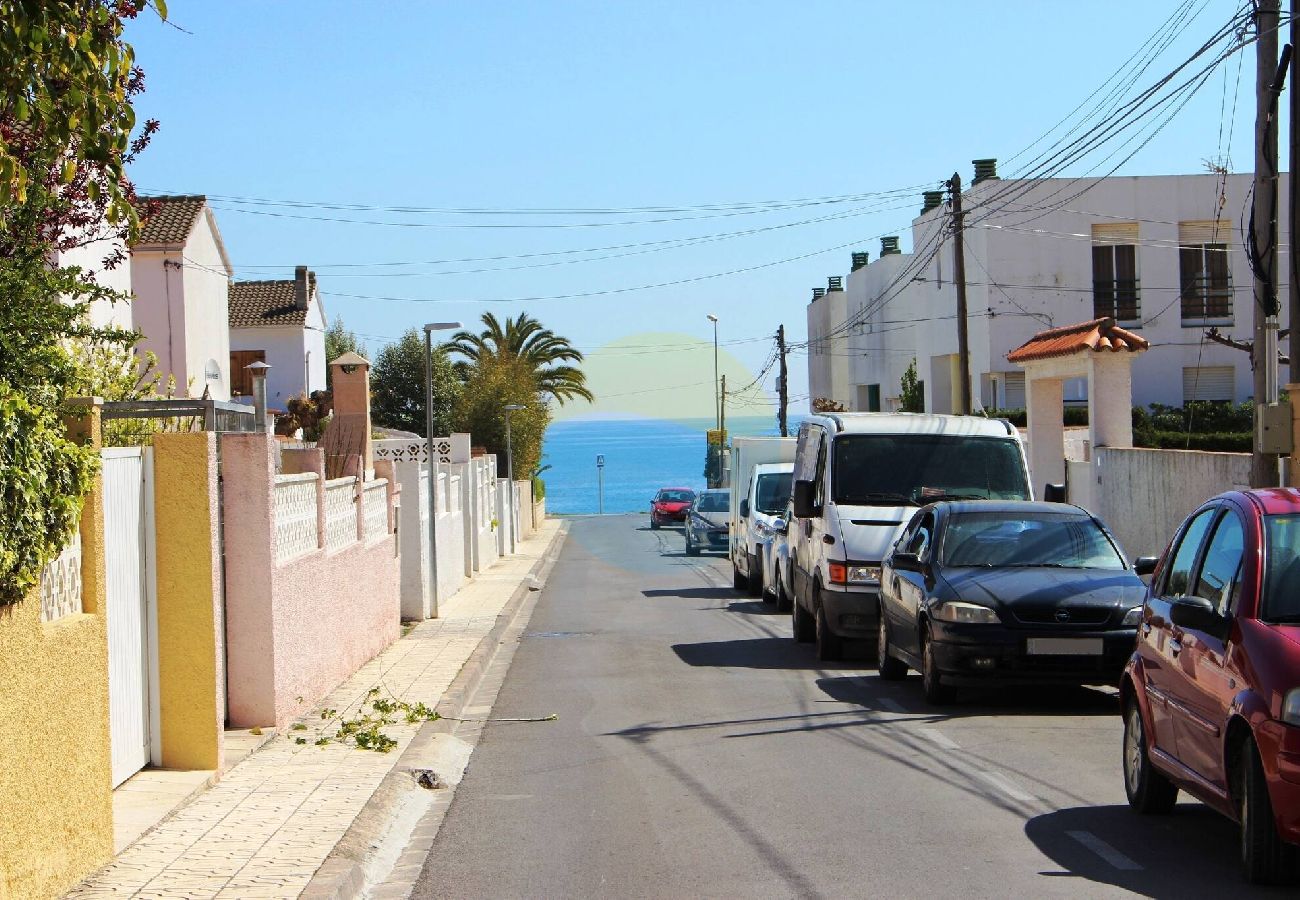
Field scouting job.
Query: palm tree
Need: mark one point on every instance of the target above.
(524, 339)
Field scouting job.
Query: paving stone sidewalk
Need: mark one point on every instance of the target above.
(267, 826)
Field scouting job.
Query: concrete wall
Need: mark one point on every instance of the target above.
(297, 629)
(206, 286)
(828, 357)
(285, 354)
(158, 311)
(90, 258)
(450, 519)
(55, 782)
(1040, 260)
(1144, 494)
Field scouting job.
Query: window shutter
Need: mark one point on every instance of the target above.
(1013, 385)
(1219, 232)
(1115, 233)
(1208, 383)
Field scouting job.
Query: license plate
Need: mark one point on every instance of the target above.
(1065, 646)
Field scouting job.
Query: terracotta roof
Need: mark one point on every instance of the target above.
(264, 304)
(1099, 334)
(169, 220)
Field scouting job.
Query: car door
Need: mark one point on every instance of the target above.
(1201, 695)
(1159, 639)
(891, 587)
(912, 587)
(804, 553)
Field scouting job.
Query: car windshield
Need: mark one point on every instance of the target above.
(676, 496)
(1018, 540)
(773, 492)
(897, 469)
(712, 503)
(1282, 579)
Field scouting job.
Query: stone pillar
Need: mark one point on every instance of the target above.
(1043, 405)
(349, 429)
(1110, 399)
(460, 447)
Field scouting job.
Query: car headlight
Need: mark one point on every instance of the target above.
(864, 574)
(1132, 618)
(1291, 707)
(965, 613)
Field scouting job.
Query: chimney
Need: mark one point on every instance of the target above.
(834, 283)
(303, 282)
(931, 200)
(818, 293)
(985, 170)
(889, 246)
(859, 260)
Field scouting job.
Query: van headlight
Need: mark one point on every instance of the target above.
(965, 613)
(1132, 618)
(864, 574)
(1291, 707)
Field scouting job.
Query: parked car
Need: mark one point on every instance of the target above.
(706, 522)
(1211, 695)
(669, 506)
(761, 470)
(987, 592)
(777, 581)
(858, 479)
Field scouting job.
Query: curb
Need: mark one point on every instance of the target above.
(380, 832)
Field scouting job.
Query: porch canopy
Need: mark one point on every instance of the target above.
(1103, 353)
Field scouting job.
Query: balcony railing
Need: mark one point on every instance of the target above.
(1117, 298)
(1206, 298)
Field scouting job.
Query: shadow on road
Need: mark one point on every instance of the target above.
(754, 608)
(1189, 853)
(702, 593)
(1030, 700)
(749, 653)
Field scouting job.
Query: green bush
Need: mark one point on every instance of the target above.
(1214, 441)
(539, 489)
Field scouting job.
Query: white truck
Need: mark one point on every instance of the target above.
(761, 474)
(858, 479)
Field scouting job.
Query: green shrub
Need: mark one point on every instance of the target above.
(1214, 441)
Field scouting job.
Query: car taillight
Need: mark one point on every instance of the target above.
(839, 573)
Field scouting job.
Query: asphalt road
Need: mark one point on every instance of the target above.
(700, 752)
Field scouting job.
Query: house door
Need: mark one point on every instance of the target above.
(128, 520)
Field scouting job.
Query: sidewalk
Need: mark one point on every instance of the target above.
(267, 826)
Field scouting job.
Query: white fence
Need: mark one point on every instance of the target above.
(61, 582)
(340, 512)
(295, 516)
(374, 507)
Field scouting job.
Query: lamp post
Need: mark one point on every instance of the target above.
(510, 473)
(717, 398)
(429, 329)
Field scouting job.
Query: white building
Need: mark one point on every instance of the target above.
(1162, 255)
(280, 323)
(180, 275)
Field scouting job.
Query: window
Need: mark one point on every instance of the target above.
(1205, 284)
(1208, 383)
(1180, 570)
(1115, 286)
(241, 380)
(1028, 539)
(873, 398)
(1218, 579)
(1281, 600)
(773, 493)
(900, 469)
(922, 538)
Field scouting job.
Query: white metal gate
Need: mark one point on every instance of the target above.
(128, 519)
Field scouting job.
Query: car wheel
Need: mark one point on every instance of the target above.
(782, 598)
(936, 692)
(1266, 857)
(890, 669)
(738, 581)
(830, 646)
(802, 624)
(754, 586)
(654, 526)
(691, 549)
(1148, 791)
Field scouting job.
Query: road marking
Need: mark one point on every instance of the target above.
(1005, 785)
(1105, 850)
(939, 738)
(892, 705)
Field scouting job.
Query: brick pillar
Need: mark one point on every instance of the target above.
(350, 425)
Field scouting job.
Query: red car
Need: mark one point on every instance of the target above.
(669, 506)
(1211, 695)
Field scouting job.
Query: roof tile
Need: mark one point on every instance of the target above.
(1098, 335)
(169, 219)
(264, 304)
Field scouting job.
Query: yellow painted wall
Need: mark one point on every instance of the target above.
(190, 650)
(56, 808)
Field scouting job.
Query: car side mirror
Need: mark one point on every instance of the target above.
(744, 509)
(1145, 565)
(906, 562)
(780, 526)
(1054, 493)
(1198, 614)
(803, 500)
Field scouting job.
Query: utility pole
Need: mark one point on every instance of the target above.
(959, 279)
(722, 434)
(1293, 200)
(1263, 466)
(782, 389)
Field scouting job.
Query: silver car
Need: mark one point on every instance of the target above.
(778, 581)
(706, 522)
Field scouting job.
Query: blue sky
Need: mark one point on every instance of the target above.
(611, 106)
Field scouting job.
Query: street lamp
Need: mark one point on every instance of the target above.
(717, 398)
(429, 329)
(510, 473)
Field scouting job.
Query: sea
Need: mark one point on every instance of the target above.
(641, 456)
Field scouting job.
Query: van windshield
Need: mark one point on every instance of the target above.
(773, 492)
(894, 469)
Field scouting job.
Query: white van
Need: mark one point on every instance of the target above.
(762, 504)
(857, 479)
